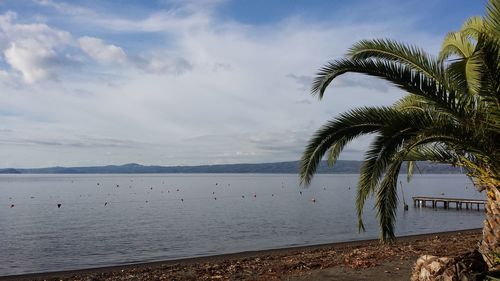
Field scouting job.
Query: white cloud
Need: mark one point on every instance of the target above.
(34, 63)
(101, 52)
(30, 49)
(162, 63)
(36, 52)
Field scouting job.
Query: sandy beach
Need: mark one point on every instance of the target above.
(360, 260)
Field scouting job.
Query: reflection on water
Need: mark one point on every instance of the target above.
(116, 219)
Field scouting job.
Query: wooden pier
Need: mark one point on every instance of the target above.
(446, 202)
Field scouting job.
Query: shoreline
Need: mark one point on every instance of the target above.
(236, 257)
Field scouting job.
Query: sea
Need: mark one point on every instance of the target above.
(65, 222)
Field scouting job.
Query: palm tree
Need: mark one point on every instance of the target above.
(450, 114)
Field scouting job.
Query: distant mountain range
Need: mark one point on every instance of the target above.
(292, 167)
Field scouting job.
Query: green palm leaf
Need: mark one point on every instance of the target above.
(473, 27)
(458, 44)
(492, 18)
(389, 50)
(400, 75)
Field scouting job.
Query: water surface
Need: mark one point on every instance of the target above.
(118, 219)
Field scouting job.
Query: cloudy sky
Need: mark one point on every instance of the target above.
(173, 82)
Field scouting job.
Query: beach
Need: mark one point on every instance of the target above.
(359, 260)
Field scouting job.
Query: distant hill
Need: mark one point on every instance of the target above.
(9, 171)
(292, 167)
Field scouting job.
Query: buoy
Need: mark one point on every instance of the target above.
(59, 205)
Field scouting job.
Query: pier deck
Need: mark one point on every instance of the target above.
(446, 202)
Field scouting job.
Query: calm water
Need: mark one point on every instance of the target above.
(145, 219)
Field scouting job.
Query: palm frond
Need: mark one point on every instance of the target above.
(412, 102)
(389, 50)
(472, 27)
(337, 133)
(466, 72)
(377, 158)
(435, 152)
(458, 44)
(410, 126)
(398, 74)
(335, 150)
(387, 201)
(492, 18)
(490, 71)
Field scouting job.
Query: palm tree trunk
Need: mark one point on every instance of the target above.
(490, 245)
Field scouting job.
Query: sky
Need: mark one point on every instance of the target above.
(186, 82)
